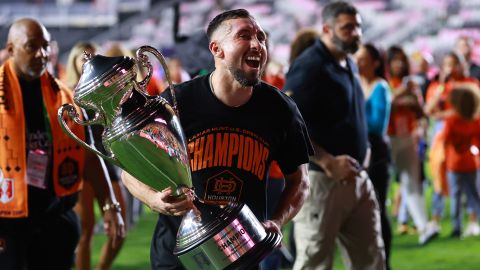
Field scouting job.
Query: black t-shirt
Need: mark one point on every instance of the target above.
(331, 101)
(230, 148)
(41, 202)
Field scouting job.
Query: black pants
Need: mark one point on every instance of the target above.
(378, 172)
(44, 243)
(163, 243)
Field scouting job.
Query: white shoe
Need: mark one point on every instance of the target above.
(472, 229)
(429, 233)
(434, 225)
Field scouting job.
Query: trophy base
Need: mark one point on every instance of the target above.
(223, 238)
(254, 256)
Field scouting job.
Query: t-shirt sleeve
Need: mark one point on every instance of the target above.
(296, 147)
(380, 109)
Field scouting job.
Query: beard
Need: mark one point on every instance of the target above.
(34, 73)
(243, 78)
(35, 68)
(346, 47)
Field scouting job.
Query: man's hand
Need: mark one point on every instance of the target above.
(275, 227)
(113, 225)
(342, 168)
(164, 203)
(160, 201)
(272, 226)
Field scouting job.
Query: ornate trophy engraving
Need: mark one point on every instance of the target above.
(142, 135)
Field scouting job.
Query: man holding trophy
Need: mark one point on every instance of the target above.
(234, 125)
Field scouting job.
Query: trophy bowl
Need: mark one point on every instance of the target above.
(223, 238)
(143, 136)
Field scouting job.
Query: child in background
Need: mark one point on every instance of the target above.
(462, 131)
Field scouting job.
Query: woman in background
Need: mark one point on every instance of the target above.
(85, 205)
(377, 107)
(404, 130)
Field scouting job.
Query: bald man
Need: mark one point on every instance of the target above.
(40, 166)
(242, 118)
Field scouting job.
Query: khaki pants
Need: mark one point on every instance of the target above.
(407, 165)
(347, 212)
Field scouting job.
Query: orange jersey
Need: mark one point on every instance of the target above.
(460, 136)
(403, 117)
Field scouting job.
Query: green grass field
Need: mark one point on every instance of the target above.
(443, 253)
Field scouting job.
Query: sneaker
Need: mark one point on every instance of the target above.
(472, 229)
(428, 234)
(435, 225)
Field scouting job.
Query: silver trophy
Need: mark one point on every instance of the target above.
(143, 136)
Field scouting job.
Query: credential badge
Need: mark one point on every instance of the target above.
(6, 188)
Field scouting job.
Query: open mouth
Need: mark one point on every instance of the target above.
(253, 61)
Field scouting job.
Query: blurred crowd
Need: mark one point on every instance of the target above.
(426, 110)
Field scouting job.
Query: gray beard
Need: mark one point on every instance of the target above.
(34, 74)
(345, 47)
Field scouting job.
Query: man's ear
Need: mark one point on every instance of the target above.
(326, 28)
(215, 49)
(9, 47)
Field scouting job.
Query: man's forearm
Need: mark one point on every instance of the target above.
(138, 189)
(293, 196)
(322, 158)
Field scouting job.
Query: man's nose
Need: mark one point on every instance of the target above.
(42, 52)
(255, 43)
(357, 32)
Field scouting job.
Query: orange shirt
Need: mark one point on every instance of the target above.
(403, 117)
(155, 86)
(275, 80)
(444, 104)
(279, 82)
(432, 90)
(460, 135)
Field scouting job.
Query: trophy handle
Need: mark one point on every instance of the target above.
(72, 113)
(143, 60)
